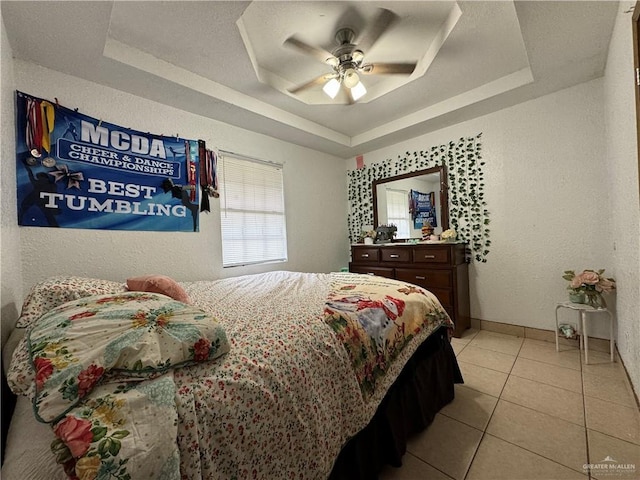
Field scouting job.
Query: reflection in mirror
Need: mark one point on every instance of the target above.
(404, 201)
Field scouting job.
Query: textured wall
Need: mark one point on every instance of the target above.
(10, 268)
(315, 196)
(622, 166)
(547, 194)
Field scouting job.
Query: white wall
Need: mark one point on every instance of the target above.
(10, 268)
(622, 170)
(548, 198)
(315, 198)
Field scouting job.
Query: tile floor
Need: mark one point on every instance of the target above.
(528, 412)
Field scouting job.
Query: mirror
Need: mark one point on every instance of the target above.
(392, 198)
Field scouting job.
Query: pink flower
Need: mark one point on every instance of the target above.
(76, 434)
(577, 281)
(605, 285)
(201, 350)
(88, 378)
(589, 278)
(44, 369)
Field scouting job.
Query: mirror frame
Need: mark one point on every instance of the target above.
(444, 195)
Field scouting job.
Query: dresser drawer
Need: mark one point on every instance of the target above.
(439, 255)
(365, 255)
(425, 277)
(380, 271)
(395, 254)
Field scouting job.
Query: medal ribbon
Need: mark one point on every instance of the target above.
(191, 171)
(208, 177)
(202, 157)
(34, 125)
(48, 122)
(212, 166)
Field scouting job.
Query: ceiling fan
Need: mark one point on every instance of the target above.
(347, 59)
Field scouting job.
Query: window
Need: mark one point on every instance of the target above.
(251, 211)
(398, 212)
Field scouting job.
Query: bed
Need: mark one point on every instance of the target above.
(316, 376)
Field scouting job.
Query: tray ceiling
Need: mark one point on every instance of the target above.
(226, 60)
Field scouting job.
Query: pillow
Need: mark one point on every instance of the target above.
(55, 291)
(158, 284)
(136, 334)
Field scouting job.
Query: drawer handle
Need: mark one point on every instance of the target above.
(370, 273)
(420, 278)
(429, 256)
(365, 255)
(394, 256)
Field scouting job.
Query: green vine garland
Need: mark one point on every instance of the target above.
(468, 214)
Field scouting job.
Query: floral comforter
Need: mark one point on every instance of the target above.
(375, 318)
(311, 357)
(285, 399)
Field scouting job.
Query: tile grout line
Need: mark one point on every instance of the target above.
(484, 430)
(548, 384)
(535, 453)
(427, 463)
(582, 392)
(492, 350)
(584, 413)
(454, 419)
(543, 413)
(534, 410)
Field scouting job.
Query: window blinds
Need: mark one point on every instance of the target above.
(252, 211)
(398, 212)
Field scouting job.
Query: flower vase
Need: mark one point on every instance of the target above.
(577, 297)
(368, 241)
(595, 300)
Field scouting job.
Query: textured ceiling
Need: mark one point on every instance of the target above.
(226, 60)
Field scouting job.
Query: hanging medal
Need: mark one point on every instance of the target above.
(191, 170)
(48, 124)
(33, 133)
(214, 174)
(202, 159)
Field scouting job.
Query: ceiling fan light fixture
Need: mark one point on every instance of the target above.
(358, 91)
(351, 78)
(332, 87)
(332, 61)
(357, 56)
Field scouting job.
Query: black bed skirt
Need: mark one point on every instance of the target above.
(420, 391)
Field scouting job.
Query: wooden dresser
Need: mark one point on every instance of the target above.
(439, 267)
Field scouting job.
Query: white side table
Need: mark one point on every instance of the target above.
(583, 310)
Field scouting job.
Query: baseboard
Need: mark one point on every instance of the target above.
(596, 344)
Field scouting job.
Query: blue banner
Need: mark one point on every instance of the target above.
(75, 171)
(422, 209)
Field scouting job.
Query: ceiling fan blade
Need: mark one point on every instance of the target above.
(345, 94)
(318, 53)
(381, 23)
(388, 68)
(312, 83)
